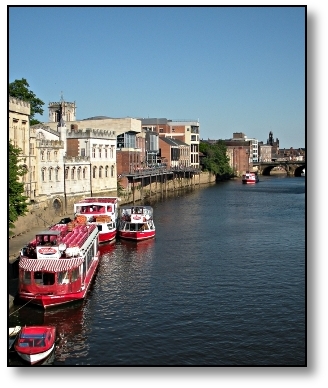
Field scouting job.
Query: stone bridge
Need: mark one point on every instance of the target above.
(292, 167)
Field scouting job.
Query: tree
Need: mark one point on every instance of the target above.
(20, 89)
(216, 159)
(17, 201)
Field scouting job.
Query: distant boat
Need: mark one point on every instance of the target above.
(250, 177)
(303, 172)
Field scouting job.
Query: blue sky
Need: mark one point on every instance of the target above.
(236, 69)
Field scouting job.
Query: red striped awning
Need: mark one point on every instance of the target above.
(49, 265)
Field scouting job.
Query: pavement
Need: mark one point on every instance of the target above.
(16, 243)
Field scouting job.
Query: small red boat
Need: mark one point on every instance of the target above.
(35, 343)
(136, 223)
(250, 177)
(100, 211)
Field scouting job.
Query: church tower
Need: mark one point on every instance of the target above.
(62, 110)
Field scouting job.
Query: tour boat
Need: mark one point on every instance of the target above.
(13, 332)
(35, 343)
(136, 223)
(101, 211)
(58, 266)
(250, 177)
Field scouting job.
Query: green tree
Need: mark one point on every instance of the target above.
(215, 159)
(20, 89)
(17, 201)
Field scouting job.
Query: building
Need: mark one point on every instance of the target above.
(23, 137)
(187, 131)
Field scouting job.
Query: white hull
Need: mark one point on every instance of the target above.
(34, 358)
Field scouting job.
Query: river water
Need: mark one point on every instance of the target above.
(223, 283)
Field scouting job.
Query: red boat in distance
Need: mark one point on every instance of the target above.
(136, 223)
(250, 177)
(100, 211)
(35, 343)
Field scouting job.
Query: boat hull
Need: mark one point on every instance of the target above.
(245, 181)
(37, 357)
(107, 236)
(136, 236)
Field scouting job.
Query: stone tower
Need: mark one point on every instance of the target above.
(62, 110)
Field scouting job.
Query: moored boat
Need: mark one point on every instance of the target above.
(13, 332)
(101, 211)
(250, 177)
(136, 223)
(35, 343)
(59, 265)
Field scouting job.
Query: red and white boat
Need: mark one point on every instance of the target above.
(136, 223)
(250, 177)
(101, 211)
(58, 266)
(35, 343)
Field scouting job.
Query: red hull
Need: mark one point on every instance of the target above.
(107, 236)
(47, 300)
(136, 236)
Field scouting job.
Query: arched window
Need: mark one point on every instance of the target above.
(112, 152)
(73, 173)
(50, 174)
(57, 174)
(94, 172)
(100, 172)
(42, 155)
(99, 152)
(84, 173)
(106, 172)
(48, 155)
(56, 155)
(43, 175)
(112, 171)
(79, 173)
(66, 172)
(93, 152)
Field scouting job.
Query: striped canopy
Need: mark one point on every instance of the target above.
(49, 265)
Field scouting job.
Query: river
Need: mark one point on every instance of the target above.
(223, 283)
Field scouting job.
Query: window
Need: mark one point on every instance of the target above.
(42, 155)
(112, 171)
(57, 174)
(43, 177)
(93, 152)
(112, 152)
(84, 173)
(106, 153)
(79, 173)
(100, 172)
(56, 155)
(99, 152)
(66, 172)
(50, 174)
(48, 155)
(94, 172)
(106, 172)
(73, 173)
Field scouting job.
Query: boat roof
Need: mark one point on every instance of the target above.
(91, 200)
(49, 233)
(49, 265)
(136, 207)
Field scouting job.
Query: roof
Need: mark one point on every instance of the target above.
(49, 265)
(173, 142)
(49, 233)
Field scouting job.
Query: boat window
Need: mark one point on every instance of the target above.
(99, 227)
(75, 274)
(38, 277)
(63, 277)
(27, 277)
